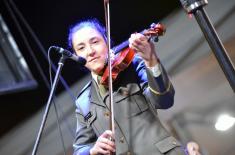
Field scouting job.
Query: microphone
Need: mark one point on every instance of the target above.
(70, 55)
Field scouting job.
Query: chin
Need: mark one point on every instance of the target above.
(96, 67)
(97, 70)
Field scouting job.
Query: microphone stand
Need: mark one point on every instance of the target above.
(55, 82)
(195, 7)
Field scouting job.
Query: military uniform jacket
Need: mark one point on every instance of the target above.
(138, 130)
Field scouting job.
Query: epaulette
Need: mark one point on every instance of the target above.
(84, 88)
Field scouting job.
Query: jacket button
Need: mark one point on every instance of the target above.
(106, 114)
(174, 143)
(121, 140)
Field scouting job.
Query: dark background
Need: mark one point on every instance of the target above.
(50, 21)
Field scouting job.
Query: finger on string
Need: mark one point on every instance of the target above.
(136, 48)
(141, 37)
(140, 44)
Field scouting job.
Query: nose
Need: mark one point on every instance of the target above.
(90, 51)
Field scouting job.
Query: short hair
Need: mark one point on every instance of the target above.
(93, 23)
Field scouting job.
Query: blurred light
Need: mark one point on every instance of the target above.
(224, 122)
(190, 16)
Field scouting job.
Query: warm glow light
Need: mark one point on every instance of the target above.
(224, 122)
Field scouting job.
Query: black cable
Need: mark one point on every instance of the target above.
(34, 57)
(41, 48)
(71, 130)
(59, 127)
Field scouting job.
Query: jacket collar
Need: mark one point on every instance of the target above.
(94, 96)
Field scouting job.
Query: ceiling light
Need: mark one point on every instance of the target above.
(224, 122)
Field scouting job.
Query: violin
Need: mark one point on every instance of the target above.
(125, 55)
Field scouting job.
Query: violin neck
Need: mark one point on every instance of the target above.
(120, 47)
(123, 45)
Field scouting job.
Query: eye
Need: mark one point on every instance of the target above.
(80, 48)
(95, 41)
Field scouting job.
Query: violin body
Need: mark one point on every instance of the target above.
(121, 62)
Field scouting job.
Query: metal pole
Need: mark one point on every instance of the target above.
(56, 79)
(195, 7)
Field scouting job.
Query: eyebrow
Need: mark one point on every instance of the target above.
(92, 38)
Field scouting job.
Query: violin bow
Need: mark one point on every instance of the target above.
(107, 22)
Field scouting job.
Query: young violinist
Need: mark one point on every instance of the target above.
(138, 91)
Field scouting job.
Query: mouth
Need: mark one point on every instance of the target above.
(93, 59)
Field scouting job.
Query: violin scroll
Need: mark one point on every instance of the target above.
(155, 31)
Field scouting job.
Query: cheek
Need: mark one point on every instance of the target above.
(81, 54)
(102, 49)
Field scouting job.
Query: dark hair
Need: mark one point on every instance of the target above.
(93, 23)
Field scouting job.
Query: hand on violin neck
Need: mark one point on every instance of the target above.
(145, 49)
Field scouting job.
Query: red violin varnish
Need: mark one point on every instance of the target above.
(125, 55)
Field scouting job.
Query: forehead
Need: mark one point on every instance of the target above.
(85, 34)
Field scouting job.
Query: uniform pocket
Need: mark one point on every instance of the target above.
(130, 100)
(167, 144)
(93, 122)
